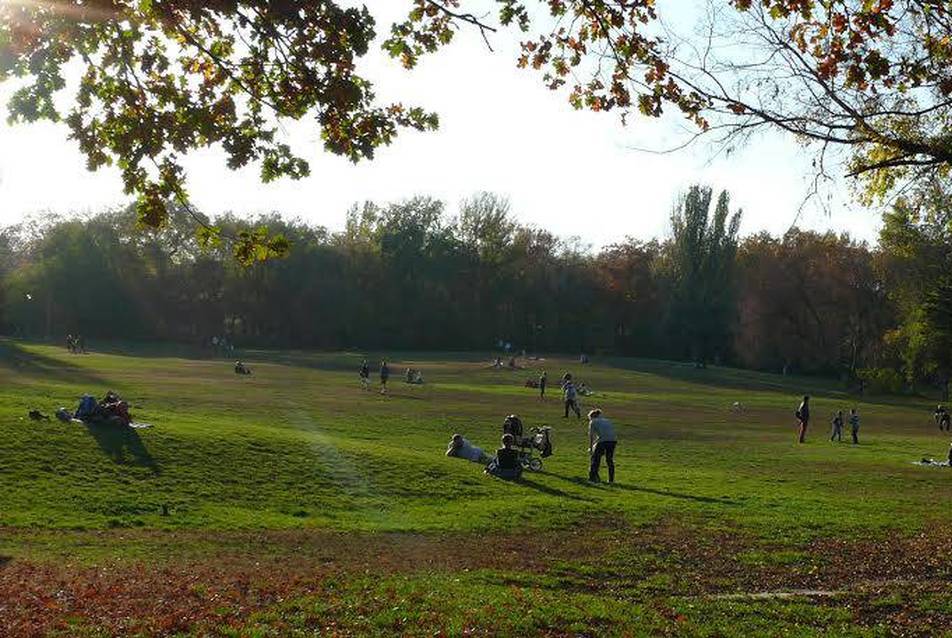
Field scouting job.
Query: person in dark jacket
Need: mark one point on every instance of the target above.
(803, 416)
(506, 464)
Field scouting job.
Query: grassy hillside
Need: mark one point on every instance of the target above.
(299, 453)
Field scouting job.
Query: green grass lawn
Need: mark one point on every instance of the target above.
(276, 465)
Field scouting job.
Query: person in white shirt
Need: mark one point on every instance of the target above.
(570, 394)
(602, 442)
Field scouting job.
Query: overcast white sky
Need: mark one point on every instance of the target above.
(571, 172)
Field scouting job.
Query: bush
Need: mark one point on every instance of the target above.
(882, 380)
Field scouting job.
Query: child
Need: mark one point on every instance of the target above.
(854, 425)
(837, 427)
(365, 375)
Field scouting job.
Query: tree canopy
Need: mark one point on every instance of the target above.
(160, 78)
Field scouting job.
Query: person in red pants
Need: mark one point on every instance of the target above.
(803, 415)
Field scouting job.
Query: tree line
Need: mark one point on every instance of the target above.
(408, 275)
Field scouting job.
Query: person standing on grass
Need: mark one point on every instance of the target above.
(384, 376)
(837, 427)
(365, 375)
(570, 394)
(543, 379)
(854, 425)
(601, 442)
(803, 416)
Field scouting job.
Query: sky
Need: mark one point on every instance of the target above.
(574, 173)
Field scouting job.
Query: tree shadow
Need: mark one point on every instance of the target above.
(21, 361)
(647, 490)
(5, 560)
(123, 445)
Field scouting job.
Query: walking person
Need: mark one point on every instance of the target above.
(854, 425)
(837, 427)
(543, 379)
(365, 375)
(570, 394)
(384, 376)
(803, 416)
(601, 442)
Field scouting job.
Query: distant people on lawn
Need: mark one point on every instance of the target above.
(943, 419)
(506, 464)
(837, 424)
(601, 442)
(460, 448)
(384, 376)
(365, 375)
(854, 425)
(75, 344)
(803, 416)
(241, 368)
(570, 396)
(543, 379)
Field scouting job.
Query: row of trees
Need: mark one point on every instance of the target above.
(407, 275)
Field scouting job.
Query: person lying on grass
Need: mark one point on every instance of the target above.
(506, 465)
(460, 448)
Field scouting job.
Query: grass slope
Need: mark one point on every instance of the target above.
(299, 446)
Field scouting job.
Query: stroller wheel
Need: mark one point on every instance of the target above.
(535, 465)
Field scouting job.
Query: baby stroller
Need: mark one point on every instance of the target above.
(539, 440)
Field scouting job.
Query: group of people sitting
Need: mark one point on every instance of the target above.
(507, 463)
(413, 376)
(76, 344)
(241, 368)
(110, 410)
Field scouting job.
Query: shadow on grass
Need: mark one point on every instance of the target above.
(123, 445)
(551, 491)
(4, 561)
(21, 361)
(646, 490)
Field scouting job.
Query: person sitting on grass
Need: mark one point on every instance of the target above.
(241, 368)
(460, 448)
(506, 465)
(113, 410)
